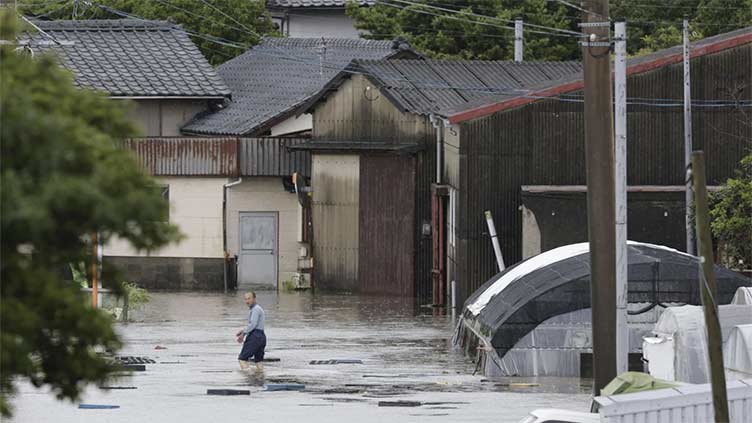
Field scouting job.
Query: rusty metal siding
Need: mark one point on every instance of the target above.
(335, 209)
(386, 261)
(542, 143)
(270, 157)
(182, 156)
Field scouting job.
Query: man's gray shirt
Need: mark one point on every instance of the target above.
(255, 319)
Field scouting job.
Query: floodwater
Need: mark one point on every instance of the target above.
(407, 356)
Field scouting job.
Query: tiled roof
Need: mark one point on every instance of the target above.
(444, 86)
(272, 79)
(314, 3)
(130, 58)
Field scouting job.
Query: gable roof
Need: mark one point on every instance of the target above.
(270, 81)
(635, 65)
(314, 3)
(130, 58)
(443, 86)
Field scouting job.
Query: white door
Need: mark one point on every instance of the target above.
(258, 249)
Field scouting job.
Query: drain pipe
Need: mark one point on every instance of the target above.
(438, 124)
(225, 187)
(495, 241)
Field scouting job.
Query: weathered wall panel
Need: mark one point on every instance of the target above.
(358, 112)
(386, 263)
(270, 157)
(183, 156)
(543, 144)
(335, 211)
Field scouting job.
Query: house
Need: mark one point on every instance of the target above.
(313, 18)
(270, 83)
(374, 148)
(506, 133)
(157, 68)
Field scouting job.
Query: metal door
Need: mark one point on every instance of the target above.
(258, 249)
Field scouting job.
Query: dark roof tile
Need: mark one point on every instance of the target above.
(274, 77)
(130, 57)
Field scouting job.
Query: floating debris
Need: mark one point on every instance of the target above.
(345, 361)
(159, 347)
(97, 406)
(127, 359)
(343, 391)
(172, 362)
(400, 403)
(285, 387)
(517, 385)
(134, 367)
(271, 360)
(228, 392)
(117, 387)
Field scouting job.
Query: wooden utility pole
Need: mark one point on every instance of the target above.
(94, 270)
(599, 154)
(709, 290)
(690, 245)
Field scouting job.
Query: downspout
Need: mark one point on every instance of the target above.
(438, 124)
(225, 187)
(437, 218)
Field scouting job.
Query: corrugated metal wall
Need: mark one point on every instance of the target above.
(543, 144)
(386, 244)
(182, 156)
(270, 157)
(355, 113)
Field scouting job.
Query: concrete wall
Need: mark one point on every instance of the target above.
(164, 118)
(266, 194)
(321, 23)
(293, 125)
(196, 208)
(170, 273)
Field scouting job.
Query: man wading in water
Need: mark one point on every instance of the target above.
(255, 339)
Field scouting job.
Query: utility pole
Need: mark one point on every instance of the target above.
(94, 270)
(518, 25)
(708, 287)
(620, 153)
(688, 200)
(599, 154)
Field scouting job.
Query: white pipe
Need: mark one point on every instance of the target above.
(495, 241)
(518, 25)
(454, 294)
(620, 156)
(224, 225)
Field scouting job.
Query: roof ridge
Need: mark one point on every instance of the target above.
(108, 24)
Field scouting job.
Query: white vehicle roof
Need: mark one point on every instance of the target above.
(559, 415)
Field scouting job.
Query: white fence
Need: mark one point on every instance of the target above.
(685, 404)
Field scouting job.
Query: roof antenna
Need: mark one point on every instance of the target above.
(322, 56)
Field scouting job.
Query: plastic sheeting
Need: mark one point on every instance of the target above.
(555, 346)
(737, 353)
(681, 341)
(743, 296)
(499, 316)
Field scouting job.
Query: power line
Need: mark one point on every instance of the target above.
(476, 15)
(477, 22)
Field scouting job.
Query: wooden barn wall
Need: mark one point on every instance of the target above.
(357, 114)
(386, 241)
(543, 144)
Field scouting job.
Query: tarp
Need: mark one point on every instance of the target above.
(629, 382)
(514, 302)
(737, 353)
(684, 329)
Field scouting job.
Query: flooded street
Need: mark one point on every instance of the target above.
(406, 357)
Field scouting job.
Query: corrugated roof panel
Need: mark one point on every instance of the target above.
(186, 156)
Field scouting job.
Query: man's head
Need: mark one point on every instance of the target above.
(250, 298)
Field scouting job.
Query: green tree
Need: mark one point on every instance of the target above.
(731, 216)
(63, 176)
(462, 36)
(651, 25)
(224, 22)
